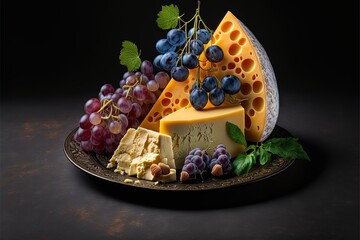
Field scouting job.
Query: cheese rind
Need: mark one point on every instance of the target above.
(138, 149)
(190, 128)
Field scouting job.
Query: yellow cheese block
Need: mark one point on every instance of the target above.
(138, 149)
(244, 57)
(190, 128)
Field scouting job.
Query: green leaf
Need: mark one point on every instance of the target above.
(243, 163)
(235, 133)
(286, 148)
(168, 17)
(130, 56)
(264, 156)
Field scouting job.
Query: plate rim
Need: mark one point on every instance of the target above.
(71, 146)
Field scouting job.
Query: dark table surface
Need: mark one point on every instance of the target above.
(44, 196)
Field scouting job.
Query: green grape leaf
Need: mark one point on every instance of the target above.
(130, 56)
(168, 17)
(285, 148)
(235, 133)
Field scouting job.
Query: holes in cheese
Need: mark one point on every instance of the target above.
(244, 57)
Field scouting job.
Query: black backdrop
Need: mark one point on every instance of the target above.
(60, 48)
(59, 53)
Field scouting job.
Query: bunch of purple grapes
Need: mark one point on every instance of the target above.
(220, 164)
(174, 59)
(107, 117)
(208, 90)
(195, 164)
(198, 162)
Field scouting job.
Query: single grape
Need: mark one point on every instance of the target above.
(83, 134)
(115, 127)
(196, 47)
(190, 32)
(190, 60)
(140, 92)
(106, 89)
(168, 60)
(109, 137)
(179, 73)
(131, 80)
(126, 74)
(190, 168)
(209, 83)
(146, 68)
(86, 146)
(203, 35)
(152, 85)
(156, 62)
(163, 46)
(198, 98)
(124, 104)
(95, 118)
(176, 37)
(162, 78)
(122, 82)
(92, 105)
(217, 96)
(84, 122)
(98, 132)
(124, 120)
(98, 149)
(230, 84)
(135, 110)
(214, 54)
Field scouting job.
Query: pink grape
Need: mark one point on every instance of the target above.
(124, 104)
(122, 82)
(152, 85)
(124, 120)
(111, 147)
(109, 137)
(99, 148)
(95, 118)
(84, 122)
(106, 89)
(115, 127)
(146, 67)
(92, 105)
(162, 78)
(140, 92)
(131, 80)
(135, 110)
(98, 132)
(126, 74)
(86, 146)
(83, 134)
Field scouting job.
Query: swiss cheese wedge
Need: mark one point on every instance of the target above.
(244, 57)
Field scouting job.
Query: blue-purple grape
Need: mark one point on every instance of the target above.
(168, 60)
(198, 98)
(230, 84)
(203, 35)
(180, 73)
(209, 83)
(176, 37)
(190, 60)
(196, 47)
(217, 96)
(214, 53)
(163, 46)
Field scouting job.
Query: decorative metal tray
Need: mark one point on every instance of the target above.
(95, 165)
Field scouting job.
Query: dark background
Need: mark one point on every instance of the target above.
(56, 54)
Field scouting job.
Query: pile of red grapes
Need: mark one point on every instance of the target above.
(107, 117)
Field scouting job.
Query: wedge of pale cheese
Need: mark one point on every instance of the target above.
(138, 149)
(190, 128)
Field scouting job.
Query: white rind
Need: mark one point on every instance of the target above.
(272, 92)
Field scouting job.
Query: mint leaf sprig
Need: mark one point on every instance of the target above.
(262, 152)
